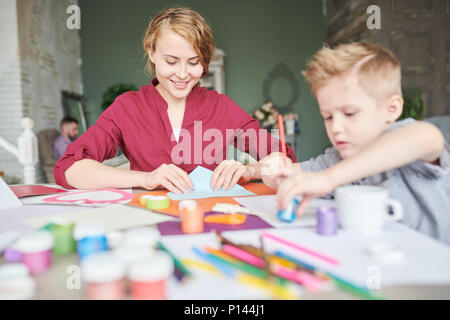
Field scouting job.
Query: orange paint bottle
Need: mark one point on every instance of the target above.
(191, 217)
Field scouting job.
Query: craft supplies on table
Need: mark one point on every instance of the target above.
(104, 277)
(327, 221)
(288, 214)
(91, 238)
(191, 217)
(141, 237)
(63, 236)
(154, 202)
(36, 250)
(16, 283)
(230, 219)
(148, 277)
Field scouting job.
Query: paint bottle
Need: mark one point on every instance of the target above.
(63, 237)
(36, 250)
(288, 214)
(16, 283)
(327, 221)
(141, 237)
(129, 255)
(191, 217)
(114, 239)
(104, 277)
(148, 277)
(11, 254)
(90, 237)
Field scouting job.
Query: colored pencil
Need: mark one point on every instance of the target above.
(282, 138)
(301, 277)
(341, 283)
(201, 265)
(223, 267)
(243, 255)
(177, 262)
(300, 248)
(245, 267)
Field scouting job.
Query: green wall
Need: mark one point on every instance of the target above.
(256, 35)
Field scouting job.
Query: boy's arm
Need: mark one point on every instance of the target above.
(417, 141)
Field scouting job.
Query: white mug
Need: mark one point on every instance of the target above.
(366, 208)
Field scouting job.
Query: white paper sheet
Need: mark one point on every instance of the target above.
(114, 217)
(426, 261)
(266, 208)
(7, 198)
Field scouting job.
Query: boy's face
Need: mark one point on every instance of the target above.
(352, 118)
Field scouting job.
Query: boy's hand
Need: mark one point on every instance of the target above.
(274, 171)
(309, 184)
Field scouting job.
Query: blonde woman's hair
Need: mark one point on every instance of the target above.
(188, 24)
(377, 68)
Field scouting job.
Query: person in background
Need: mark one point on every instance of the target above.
(69, 132)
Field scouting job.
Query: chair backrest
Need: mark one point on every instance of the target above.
(46, 138)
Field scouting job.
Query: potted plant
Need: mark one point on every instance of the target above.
(114, 91)
(413, 106)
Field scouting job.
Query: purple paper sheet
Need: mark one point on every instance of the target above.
(170, 228)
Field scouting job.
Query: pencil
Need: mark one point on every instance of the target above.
(300, 248)
(341, 283)
(177, 262)
(282, 138)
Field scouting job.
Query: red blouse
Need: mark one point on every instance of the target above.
(138, 123)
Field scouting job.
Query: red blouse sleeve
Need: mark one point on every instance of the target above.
(98, 143)
(252, 139)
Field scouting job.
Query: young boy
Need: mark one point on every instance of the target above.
(358, 89)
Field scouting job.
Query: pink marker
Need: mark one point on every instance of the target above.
(244, 256)
(303, 278)
(300, 248)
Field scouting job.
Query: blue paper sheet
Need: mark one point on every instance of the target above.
(201, 178)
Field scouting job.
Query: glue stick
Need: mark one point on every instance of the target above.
(104, 277)
(148, 277)
(191, 217)
(35, 249)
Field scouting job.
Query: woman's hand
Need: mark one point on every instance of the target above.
(274, 170)
(170, 177)
(228, 173)
(309, 184)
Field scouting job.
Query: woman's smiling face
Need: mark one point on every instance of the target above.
(177, 65)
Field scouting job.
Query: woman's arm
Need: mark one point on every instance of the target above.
(91, 174)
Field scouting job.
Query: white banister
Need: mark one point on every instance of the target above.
(26, 151)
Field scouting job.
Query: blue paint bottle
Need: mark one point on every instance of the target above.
(288, 214)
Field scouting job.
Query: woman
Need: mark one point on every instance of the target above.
(166, 129)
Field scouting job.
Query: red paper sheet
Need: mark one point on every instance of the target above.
(34, 190)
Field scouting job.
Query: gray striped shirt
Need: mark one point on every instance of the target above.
(422, 188)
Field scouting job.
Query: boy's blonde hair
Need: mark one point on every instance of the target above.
(378, 70)
(188, 24)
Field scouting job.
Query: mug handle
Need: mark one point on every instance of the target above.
(397, 208)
